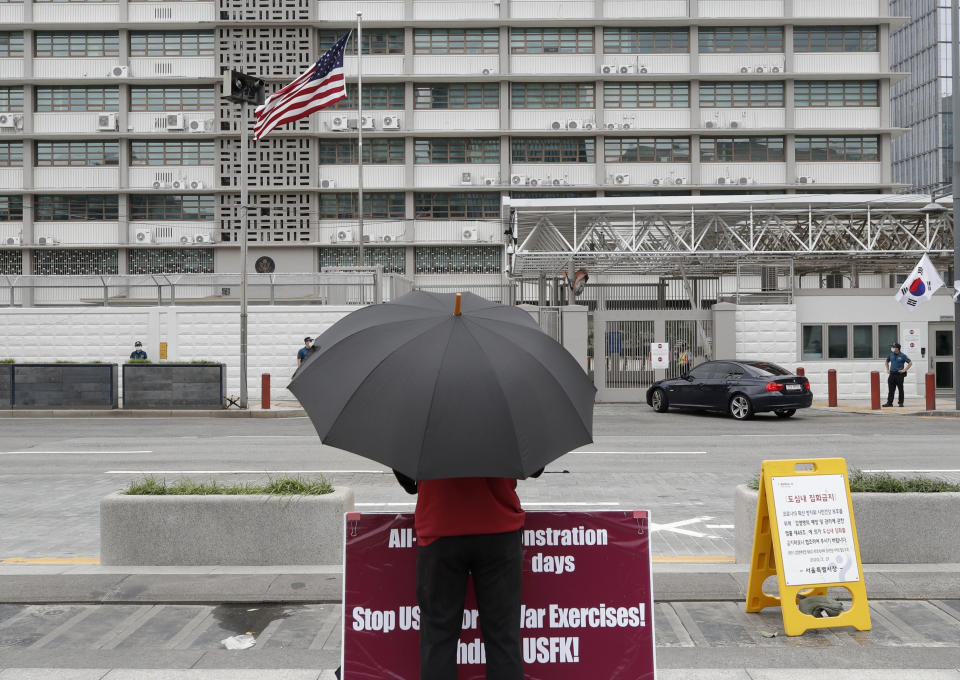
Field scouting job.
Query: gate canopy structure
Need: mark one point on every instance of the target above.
(691, 234)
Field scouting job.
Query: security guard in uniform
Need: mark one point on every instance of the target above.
(897, 364)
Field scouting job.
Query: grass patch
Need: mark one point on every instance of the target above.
(205, 362)
(282, 486)
(884, 482)
(139, 361)
(7, 361)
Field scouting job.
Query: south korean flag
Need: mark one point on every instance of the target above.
(920, 286)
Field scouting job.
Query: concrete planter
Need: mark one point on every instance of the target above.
(6, 386)
(64, 386)
(174, 386)
(223, 530)
(893, 528)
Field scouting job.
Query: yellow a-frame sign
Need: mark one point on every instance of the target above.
(806, 536)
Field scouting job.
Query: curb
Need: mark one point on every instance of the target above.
(153, 413)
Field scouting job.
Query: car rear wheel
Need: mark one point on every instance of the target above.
(658, 400)
(785, 412)
(740, 407)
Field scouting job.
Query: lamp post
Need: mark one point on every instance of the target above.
(955, 106)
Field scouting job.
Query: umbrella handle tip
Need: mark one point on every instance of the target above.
(456, 309)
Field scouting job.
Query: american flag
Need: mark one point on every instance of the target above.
(318, 87)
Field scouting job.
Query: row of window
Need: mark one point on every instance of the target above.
(107, 44)
(847, 341)
(104, 153)
(106, 208)
(153, 98)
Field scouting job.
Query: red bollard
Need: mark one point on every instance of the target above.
(264, 390)
(800, 372)
(875, 390)
(832, 387)
(931, 385)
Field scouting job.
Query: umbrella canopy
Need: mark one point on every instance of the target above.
(436, 395)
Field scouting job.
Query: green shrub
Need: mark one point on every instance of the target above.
(884, 482)
(7, 361)
(139, 361)
(283, 486)
(205, 361)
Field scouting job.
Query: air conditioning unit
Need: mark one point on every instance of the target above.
(328, 184)
(643, 69)
(612, 126)
(9, 121)
(175, 121)
(573, 125)
(184, 240)
(519, 180)
(13, 240)
(709, 124)
(759, 69)
(556, 181)
(352, 123)
(143, 236)
(656, 181)
(557, 125)
(621, 179)
(106, 121)
(488, 71)
(386, 238)
(368, 123)
(161, 185)
(391, 122)
(470, 234)
(806, 180)
(534, 182)
(119, 71)
(344, 236)
(775, 69)
(203, 238)
(339, 123)
(490, 181)
(744, 180)
(608, 68)
(734, 124)
(625, 126)
(197, 184)
(47, 241)
(625, 68)
(744, 69)
(466, 178)
(680, 180)
(200, 124)
(178, 184)
(721, 180)
(587, 125)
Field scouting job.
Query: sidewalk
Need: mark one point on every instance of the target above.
(913, 406)
(283, 409)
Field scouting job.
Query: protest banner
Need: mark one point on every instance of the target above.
(587, 599)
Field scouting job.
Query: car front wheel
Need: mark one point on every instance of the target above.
(740, 407)
(658, 400)
(785, 412)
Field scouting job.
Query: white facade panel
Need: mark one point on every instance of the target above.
(76, 13)
(156, 121)
(11, 178)
(743, 8)
(567, 173)
(666, 174)
(741, 63)
(651, 64)
(84, 122)
(643, 119)
(10, 230)
(838, 62)
(382, 10)
(452, 64)
(857, 118)
(11, 13)
(323, 120)
(163, 233)
(452, 119)
(733, 173)
(457, 232)
(539, 9)
(374, 176)
(455, 10)
(620, 9)
(173, 12)
(379, 231)
(78, 233)
(841, 173)
(375, 64)
(743, 118)
(76, 178)
(552, 63)
(830, 8)
(426, 175)
(145, 177)
(12, 67)
(545, 119)
(60, 68)
(173, 67)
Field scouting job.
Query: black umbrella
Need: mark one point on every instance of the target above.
(436, 394)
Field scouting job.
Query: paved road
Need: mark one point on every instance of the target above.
(681, 466)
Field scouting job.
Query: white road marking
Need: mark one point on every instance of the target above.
(643, 453)
(914, 470)
(18, 453)
(720, 526)
(241, 472)
(675, 527)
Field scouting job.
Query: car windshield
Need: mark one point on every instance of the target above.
(764, 368)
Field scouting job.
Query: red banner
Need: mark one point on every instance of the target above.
(587, 599)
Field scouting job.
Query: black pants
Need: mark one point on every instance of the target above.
(894, 383)
(496, 562)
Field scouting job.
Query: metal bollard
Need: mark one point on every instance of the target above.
(832, 387)
(875, 390)
(264, 390)
(931, 391)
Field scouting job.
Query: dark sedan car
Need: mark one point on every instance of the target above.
(741, 388)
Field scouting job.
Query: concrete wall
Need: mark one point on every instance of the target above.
(65, 386)
(173, 386)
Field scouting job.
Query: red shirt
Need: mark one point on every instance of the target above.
(472, 505)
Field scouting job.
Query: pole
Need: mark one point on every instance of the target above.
(955, 102)
(244, 199)
(360, 261)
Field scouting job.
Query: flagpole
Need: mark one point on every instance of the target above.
(359, 139)
(244, 226)
(955, 96)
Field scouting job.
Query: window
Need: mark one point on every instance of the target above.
(457, 150)
(741, 94)
(171, 43)
(11, 208)
(848, 341)
(835, 39)
(375, 41)
(836, 93)
(11, 99)
(741, 149)
(456, 41)
(375, 152)
(551, 41)
(863, 342)
(77, 44)
(457, 206)
(170, 261)
(11, 262)
(646, 95)
(553, 150)
(171, 98)
(75, 262)
(376, 96)
(741, 39)
(11, 44)
(77, 153)
(887, 334)
(851, 149)
(343, 206)
(836, 342)
(77, 98)
(458, 260)
(456, 96)
(552, 95)
(11, 154)
(148, 207)
(646, 149)
(812, 342)
(76, 208)
(646, 40)
(393, 260)
(171, 152)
